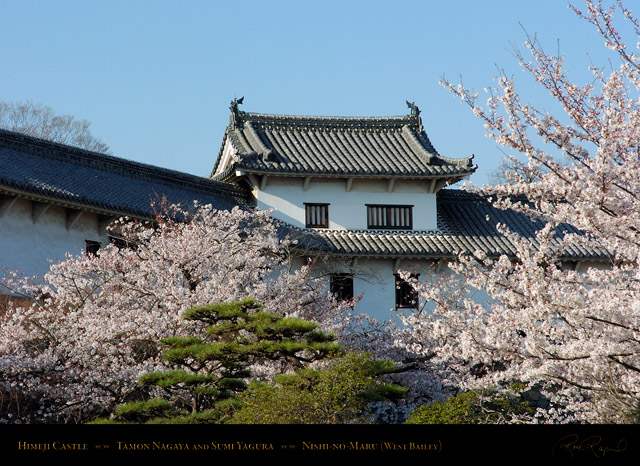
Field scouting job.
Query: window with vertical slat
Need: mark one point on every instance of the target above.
(390, 217)
(316, 215)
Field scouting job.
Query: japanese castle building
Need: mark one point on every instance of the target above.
(365, 197)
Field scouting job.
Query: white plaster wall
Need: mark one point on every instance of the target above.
(374, 282)
(347, 210)
(374, 279)
(28, 246)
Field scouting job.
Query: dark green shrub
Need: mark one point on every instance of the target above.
(335, 394)
(473, 407)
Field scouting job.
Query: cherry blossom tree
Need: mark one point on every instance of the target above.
(573, 334)
(95, 324)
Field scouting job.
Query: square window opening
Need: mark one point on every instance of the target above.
(341, 286)
(91, 247)
(406, 294)
(316, 215)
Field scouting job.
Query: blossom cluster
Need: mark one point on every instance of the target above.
(94, 324)
(567, 327)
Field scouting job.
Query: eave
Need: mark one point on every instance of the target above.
(6, 191)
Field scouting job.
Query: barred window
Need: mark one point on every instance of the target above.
(390, 217)
(406, 295)
(316, 215)
(341, 286)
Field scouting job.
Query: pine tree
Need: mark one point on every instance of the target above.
(210, 370)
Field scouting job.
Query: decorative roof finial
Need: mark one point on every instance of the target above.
(415, 112)
(235, 113)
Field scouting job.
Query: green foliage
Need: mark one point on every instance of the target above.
(176, 377)
(335, 394)
(155, 407)
(140, 411)
(473, 407)
(209, 372)
(241, 332)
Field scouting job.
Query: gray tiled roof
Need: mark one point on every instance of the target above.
(39, 169)
(42, 170)
(466, 223)
(337, 146)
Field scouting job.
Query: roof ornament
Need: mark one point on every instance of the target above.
(415, 112)
(235, 113)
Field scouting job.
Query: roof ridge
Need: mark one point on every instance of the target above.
(366, 122)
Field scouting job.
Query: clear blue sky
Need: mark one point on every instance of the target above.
(155, 77)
